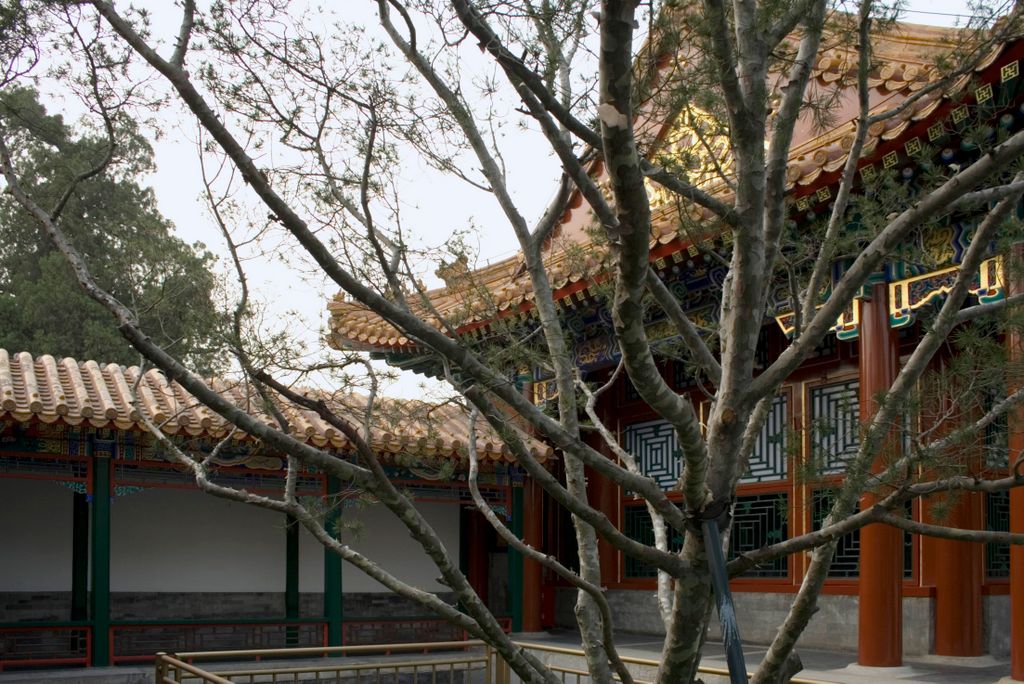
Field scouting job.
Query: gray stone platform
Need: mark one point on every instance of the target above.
(824, 666)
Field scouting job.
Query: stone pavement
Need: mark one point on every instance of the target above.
(822, 666)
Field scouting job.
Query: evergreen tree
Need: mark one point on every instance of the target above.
(115, 223)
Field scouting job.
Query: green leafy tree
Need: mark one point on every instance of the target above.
(113, 220)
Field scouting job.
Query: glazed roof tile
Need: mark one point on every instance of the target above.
(87, 393)
(905, 57)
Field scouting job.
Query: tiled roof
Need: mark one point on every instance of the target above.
(100, 395)
(904, 66)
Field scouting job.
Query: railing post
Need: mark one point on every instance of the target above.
(502, 674)
(161, 669)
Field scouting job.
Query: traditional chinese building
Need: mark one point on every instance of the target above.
(111, 553)
(910, 595)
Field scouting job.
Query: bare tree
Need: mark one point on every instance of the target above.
(740, 76)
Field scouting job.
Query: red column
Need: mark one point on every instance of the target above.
(1016, 444)
(880, 628)
(533, 509)
(1017, 573)
(1016, 447)
(604, 496)
(958, 571)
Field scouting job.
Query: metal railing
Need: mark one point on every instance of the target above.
(452, 662)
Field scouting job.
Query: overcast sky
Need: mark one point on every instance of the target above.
(432, 208)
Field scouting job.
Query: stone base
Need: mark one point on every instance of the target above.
(833, 627)
(881, 674)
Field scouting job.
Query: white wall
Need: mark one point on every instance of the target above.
(35, 536)
(385, 540)
(166, 540)
(179, 540)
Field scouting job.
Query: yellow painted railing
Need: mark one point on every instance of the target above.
(445, 662)
(574, 675)
(451, 662)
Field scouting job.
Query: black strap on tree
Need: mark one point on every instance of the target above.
(707, 521)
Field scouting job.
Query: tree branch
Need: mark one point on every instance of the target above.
(184, 33)
(549, 562)
(956, 534)
(684, 326)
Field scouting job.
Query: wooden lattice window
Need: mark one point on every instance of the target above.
(637, 526)
(835, 416)
(997, 519)
(769, 457)
(653, 445)
(846, 562)
(760, 520)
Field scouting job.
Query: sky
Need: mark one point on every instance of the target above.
(432, 206)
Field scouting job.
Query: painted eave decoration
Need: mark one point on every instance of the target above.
(47, 390)
(475, 300)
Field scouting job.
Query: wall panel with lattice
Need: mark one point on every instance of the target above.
(654, 446)
(997, 519)
(768, 459)
(637, 526)
(758, 521)
(835, 425)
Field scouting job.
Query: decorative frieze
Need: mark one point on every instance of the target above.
(908, 296)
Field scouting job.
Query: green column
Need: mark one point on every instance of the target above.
(291, 578)
(80, 557)
(100, 561)
(515, 563)
(333, 605)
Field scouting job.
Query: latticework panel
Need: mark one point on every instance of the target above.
(768, 459)
(758, 521)
(997, 519)
(835, 415)
(412, 630)
(657, 454)
(45, 466)
(134, 642)
(152, 474)
(637, 526)
(846, 562)
(44, 645)
(997, 448)
(908, 545)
